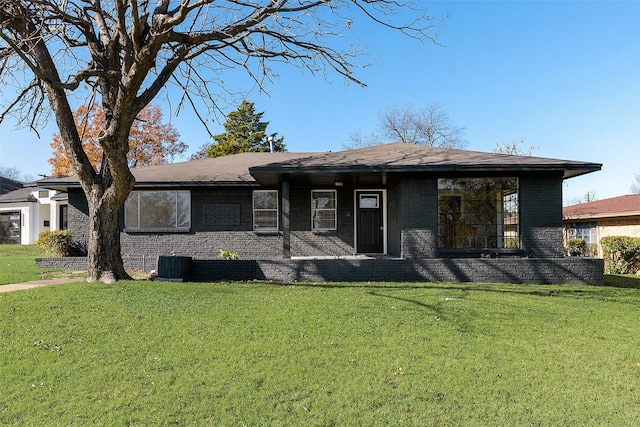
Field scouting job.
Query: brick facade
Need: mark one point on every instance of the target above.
(222, 219)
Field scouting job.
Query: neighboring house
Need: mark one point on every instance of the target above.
(389, 212)
(28, 211)
(8, 184)
(617, 216)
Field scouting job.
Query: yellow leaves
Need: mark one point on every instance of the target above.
(150, 141)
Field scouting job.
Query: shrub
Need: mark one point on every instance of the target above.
(621, 254)
(57, 243)
(229, 254)
(576, 247)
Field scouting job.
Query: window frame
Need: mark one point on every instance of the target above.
(486, 214)
(334, 210)
(170, 229)
(254, 210)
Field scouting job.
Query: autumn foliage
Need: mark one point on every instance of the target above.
(150, 142)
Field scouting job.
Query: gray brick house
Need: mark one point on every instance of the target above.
(389, 212)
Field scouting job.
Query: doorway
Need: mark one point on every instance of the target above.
(369, 222)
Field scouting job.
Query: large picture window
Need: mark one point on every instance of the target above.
(265, 210)
(478, 213)
(323, 210)
(153, 210)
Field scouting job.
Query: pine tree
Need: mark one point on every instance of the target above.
(244, 132)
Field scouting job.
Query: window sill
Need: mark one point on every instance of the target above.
(479, 253)
(266, 232)
(158, 230)
(332, 231)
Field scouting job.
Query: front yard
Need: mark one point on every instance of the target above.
(232, 354)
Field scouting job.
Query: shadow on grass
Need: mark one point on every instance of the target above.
(600, 292)
(622, 281)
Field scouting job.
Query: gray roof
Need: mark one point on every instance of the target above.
(401, 157)
(265, 168)
(226, 170)
(19, 195)
(8, 184)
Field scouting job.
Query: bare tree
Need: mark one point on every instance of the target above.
(429, 126)
(122, 53)
(635, 186)
(514, 148)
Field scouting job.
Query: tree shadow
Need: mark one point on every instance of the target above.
(622, 281)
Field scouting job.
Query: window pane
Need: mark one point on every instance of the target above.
(158, 209)
(265, 219)
(131, 211)
(184, 209)
(478, 213)
(265, 199)
(265, 210)
(323, 210)
(323, 199)
(369, 201)
(324, 219)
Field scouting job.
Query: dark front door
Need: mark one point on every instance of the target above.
(369, 223)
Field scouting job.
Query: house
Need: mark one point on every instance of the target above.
(30, 210)
(617, 216)
(8, 184)
(389, 212)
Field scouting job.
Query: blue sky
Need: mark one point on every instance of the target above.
(562, 76)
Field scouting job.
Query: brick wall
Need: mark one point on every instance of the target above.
(572, 270)
(541, 215)
(419, 217)
(222, 220)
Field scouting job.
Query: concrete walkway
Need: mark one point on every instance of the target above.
(38, 283)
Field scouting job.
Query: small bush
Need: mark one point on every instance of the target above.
(621, 254)
(576, 247)
(57, 243)
(229, 254)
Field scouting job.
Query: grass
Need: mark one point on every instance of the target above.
(17, 264)
(152, 353)
(149, 353)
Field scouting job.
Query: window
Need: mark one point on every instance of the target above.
(63, 217)
(323, 210)
(165, 210)
(265, 210)
(478, 213)
(587, 231)
(369, 201)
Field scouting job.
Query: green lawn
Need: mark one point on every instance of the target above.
(17, 264)
(233, 354)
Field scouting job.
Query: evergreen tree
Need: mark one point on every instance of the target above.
(244, 132)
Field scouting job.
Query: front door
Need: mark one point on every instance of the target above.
(369, 222)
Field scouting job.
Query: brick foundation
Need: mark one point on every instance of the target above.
(571, 270)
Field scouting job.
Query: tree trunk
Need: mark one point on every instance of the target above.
(104, 260)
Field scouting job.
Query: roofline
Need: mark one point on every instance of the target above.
(577, 170)
(601, 215)
(64, 186)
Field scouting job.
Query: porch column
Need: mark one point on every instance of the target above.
(286, 224)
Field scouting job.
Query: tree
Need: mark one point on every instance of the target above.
(244, 132)
(429, 126)
(150, 141)
(15, 174)
(122, 53)
(514, 149)
(635, 186)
